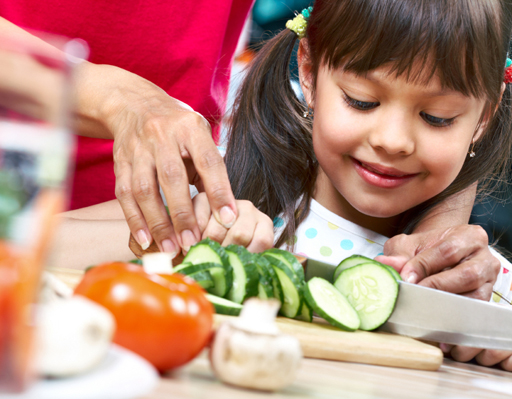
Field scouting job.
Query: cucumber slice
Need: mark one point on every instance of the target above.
(189, 268)
(203, 278)
(221, 284)
(209, 251)
(288, 259)
(355, 260)
(331, 304)
(306, 313)
(291, 286)
(348, 263)
(395, 274)
(268, 286)
(245, 274)
(224, 306)
(372, 290)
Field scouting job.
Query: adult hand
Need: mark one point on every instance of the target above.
(484, 357)
(456, 259)
(158, 140)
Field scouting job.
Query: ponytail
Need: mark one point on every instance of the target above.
(270, 158)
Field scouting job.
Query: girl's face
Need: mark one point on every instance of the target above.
(385, 145)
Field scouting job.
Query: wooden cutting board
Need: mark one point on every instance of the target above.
(322, 341)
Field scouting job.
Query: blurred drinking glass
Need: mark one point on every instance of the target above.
(35, 152)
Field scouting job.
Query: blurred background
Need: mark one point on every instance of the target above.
(268, 18)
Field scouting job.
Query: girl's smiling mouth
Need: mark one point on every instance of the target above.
(380, 176)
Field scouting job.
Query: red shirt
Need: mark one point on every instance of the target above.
(185, 47)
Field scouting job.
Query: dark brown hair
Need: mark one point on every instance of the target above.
(270, 156)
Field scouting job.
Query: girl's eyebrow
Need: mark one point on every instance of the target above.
(428, 93)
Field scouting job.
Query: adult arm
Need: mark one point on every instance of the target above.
(158, 140)
(99, 233)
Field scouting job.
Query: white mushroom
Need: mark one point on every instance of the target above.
(250, 351)
(73, 333)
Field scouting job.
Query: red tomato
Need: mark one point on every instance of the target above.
(166, 320)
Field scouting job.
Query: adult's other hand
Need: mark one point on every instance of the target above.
(456, 259)
(158, 140)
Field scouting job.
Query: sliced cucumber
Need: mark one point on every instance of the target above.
(355, 260)
(291, 286)
(331, 304)
(348, 263)
(203, 278)
(268, 286)
(306, 313)
(288, 259)
(224, 306)
(245, 274)
(209, 251)
(392, 271)
(372, 290)
(189, 268)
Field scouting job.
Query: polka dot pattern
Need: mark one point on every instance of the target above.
(325, 251)
(311, 232)
(347, 245)
(332, 226)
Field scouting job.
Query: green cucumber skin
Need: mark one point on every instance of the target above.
(189, 268)
(203, 278)
(196, 255)
(349, 262)
(265, 269)
(385, 277)
(355, 260)
(224, 306)
(309, 298)
(393, 272)
(287, 258)
(306, 313)
(245, 274)
(284, 273)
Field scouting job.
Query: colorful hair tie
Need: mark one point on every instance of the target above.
(300, 22)
(508, 71)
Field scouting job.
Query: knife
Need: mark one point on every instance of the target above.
(438, 316)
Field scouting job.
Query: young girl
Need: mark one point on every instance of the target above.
(410, 109)
(405, 106)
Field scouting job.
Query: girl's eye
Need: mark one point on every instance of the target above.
(436, 122)
(360, 105)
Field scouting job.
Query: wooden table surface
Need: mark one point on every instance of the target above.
(332, 379)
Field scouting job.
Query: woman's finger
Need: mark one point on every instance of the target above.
(147, 194)
(490, 357)
(461, 242)
(131, 210)
(464, 353)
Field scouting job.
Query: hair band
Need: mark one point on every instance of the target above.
(508, 71)
(300, 22)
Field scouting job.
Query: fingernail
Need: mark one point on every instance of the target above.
(227, 217)
(143, 240)
(445, 348)
(412, 278)
(188, 239)
(169, 247)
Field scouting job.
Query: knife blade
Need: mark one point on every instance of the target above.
(438, 316)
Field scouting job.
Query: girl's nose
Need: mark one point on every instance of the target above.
(393, 133)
